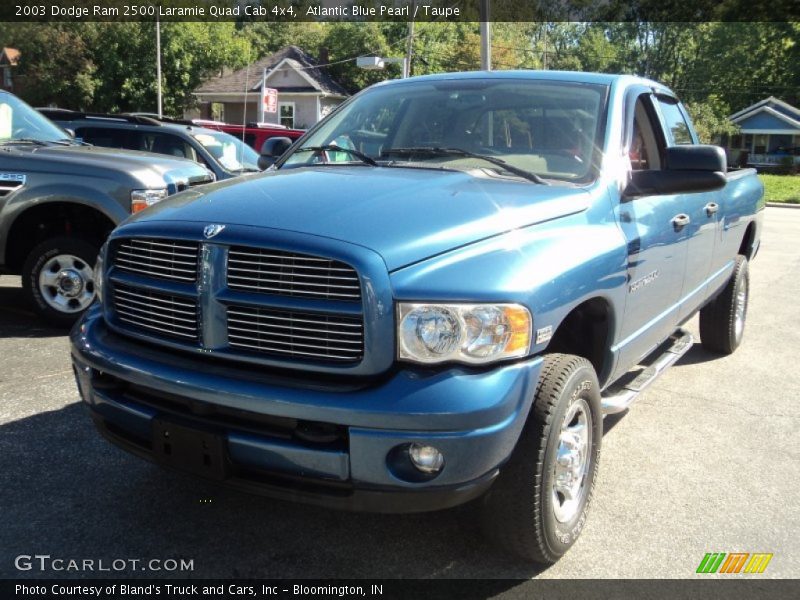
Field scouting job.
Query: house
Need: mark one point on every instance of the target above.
(306, 92)
(769, 132)
(8, 60)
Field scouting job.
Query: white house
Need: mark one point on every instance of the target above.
(306, 92)
(769, 131)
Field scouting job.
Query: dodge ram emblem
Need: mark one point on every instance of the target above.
(212, 230)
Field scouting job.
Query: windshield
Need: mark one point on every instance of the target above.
(230, 152)
(18, 121)
(545, 128)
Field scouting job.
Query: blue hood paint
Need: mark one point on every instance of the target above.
(406, 215)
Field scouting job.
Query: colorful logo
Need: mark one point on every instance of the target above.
(735, 562)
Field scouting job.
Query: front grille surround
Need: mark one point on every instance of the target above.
(212, 296)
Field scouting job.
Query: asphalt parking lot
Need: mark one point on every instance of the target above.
(707, 460)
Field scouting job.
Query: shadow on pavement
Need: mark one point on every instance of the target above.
(18, 320)
(70, 494)
(697, 354)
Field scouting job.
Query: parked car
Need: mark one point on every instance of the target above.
(434, 297)
(253, 134)
(59, 199)
(223, 154)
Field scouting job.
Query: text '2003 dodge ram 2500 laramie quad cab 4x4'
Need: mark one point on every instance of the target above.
(435, 296)
(59, 200)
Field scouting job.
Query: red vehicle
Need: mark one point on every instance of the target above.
(253, 134)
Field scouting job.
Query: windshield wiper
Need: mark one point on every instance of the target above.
(24, 141)
(334, 148)
(428, 151)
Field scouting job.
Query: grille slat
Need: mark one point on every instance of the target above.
(157, 311)
(162, 259)
(291, 274)
(273, 331)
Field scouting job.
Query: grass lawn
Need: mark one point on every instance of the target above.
(781, 188)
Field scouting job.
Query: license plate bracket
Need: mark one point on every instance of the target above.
(193, 450)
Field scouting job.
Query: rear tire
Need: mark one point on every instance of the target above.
(57, 278)
(722, 320)
(537, 508)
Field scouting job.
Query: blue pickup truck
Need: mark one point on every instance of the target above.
(433, 297)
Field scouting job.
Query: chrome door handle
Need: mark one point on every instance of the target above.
(711, 208)
(680, 221)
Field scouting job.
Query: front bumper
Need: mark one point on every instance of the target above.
(349, 460)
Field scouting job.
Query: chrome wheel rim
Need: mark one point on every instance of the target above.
(66, 283)
(741, 310)
(572, 461)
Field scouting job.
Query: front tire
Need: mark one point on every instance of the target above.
(58, 279)
(537, 508)
(722, 320)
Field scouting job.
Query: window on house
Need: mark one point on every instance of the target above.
(286, 113)
(217, 111)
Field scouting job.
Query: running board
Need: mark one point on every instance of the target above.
(618, 398)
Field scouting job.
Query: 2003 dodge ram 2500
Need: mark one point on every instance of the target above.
(59, 200)
(436, 295)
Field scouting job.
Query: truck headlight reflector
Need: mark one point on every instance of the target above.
(470, 333)
(141, 199)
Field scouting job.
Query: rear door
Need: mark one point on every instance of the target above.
(702, 209)
(657, 242)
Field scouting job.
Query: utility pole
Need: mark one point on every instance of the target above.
(544, 61)
(409, 50)
(158, 64)
(486, 37)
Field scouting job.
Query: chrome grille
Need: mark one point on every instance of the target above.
(296, 334)
(173, 316)
(163, 259)
(290, 274)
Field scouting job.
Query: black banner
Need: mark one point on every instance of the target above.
(400, 10)
(733, 588)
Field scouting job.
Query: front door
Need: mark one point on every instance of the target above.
(657, 248)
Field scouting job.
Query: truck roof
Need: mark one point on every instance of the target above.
(567, 76)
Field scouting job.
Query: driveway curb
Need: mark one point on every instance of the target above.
(783, 205)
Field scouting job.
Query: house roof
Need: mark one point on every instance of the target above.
(774, 106)
(9, 56)
(289, 57)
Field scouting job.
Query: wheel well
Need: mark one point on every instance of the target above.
(585, 332)
(51, 219)
(746, 248)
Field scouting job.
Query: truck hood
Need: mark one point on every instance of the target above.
(406, 215)
(152, 170)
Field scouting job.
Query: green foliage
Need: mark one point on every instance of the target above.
(710, 119)
(781, 188)
(46, 75)
(716, 68)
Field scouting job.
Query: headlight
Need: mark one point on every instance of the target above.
(98, 274)
(470, 333)
(141, 199)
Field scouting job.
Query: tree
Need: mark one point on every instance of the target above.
(56, 65)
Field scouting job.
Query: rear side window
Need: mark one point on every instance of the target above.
(678, 132)
(103, 136)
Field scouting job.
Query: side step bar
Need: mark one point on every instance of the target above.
(619, 397)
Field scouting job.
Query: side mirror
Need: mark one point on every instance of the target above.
(271, 150)
(688, 170)
(71, 132)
